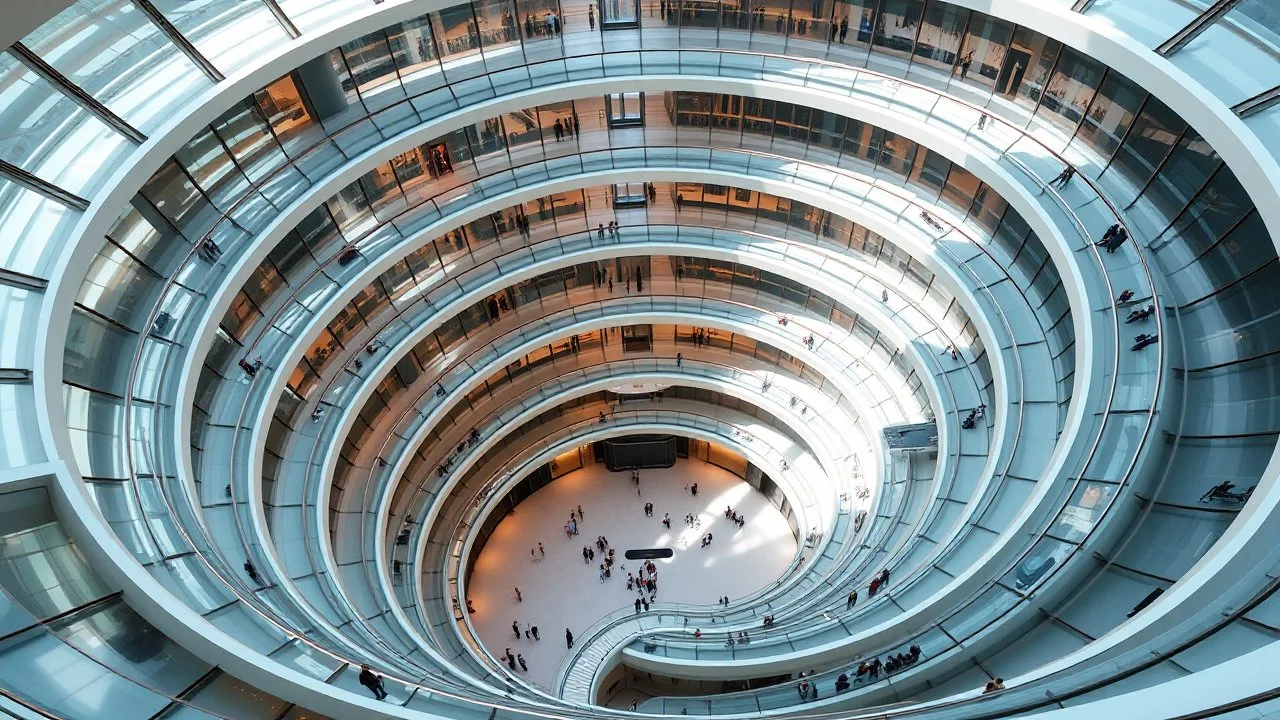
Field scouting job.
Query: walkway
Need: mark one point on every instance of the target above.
(563, 591)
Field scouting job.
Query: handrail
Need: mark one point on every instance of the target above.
(776, 156)
(466, 525)
(168, 285)
(588, 637)
(1111, 395)
(770, 155)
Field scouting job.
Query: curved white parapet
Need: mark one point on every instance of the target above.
(1232, 564)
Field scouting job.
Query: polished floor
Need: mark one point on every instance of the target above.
(562, 591)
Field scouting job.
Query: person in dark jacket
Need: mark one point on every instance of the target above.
(373, 681)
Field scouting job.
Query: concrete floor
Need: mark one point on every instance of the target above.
(562, 591)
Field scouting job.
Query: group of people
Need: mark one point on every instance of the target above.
(700, 338)
(1113, 238)
(870, 669)
(645, 584)
(974, 415)
(1142, 340)
(513, 659)
(706, 540)
(209, 251)
(571, 527)
(566, 127)
(251, 368)
(1140, 314)
(530, 632)
(878, 583)
(549, 25)
(867, 671)
(734, 517)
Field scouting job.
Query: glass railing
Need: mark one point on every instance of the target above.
(466, 374)
(400, 433)
(487, 477)
(1123, 434)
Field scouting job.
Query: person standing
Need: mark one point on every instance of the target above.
(523, 666)
(558, 129)
(534, 630)
(568, 638)
(666, 520)
(679, 359)
(637, 604)
(519, 596)
(515, 628)
(542, 552)
(373, 681)
(853, 600)
(693, 489)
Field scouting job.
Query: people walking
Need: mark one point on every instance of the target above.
(534, 631)
(1117, 240)
(519, 596)
(523, 666)
(373, 681)
(666, 520)
(1064, 177)
(568, 638)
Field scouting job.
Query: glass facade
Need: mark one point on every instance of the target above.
(457, 292)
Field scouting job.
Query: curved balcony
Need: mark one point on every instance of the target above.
(1165, 508)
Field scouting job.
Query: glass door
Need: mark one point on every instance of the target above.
(619, 14)
(625, 109)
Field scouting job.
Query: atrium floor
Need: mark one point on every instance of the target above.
(563, 591)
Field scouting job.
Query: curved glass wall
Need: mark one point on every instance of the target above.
(86, 88)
